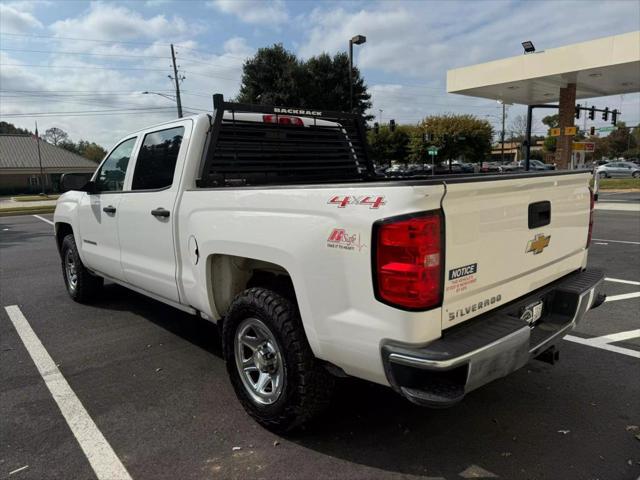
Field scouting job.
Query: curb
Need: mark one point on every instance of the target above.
(10, 212)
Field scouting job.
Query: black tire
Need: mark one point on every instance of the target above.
(85, 286)
(602, 175)
(307, 387)
(635, 174)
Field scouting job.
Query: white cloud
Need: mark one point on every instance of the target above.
(259, 12)
(16, 20)
(108, 21)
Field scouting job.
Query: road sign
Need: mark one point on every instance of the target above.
(554, 132)
(432, 150)
(607, 129)
(570, 130)
(584, 146)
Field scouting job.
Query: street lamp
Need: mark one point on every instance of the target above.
(528, 47)
(169, 97)
(357, 40)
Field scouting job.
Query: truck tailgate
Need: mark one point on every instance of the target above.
(506, 238)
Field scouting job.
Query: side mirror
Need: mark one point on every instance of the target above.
(76, 181)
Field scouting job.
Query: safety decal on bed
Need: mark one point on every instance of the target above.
(342, 201)
(343, 240)
(461, 277)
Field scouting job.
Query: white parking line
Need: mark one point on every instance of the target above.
(615, 241)
(43, 219)
(604, 342)
(623, 296)
(619, 280)
(103, 460)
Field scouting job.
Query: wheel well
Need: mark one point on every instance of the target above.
(62, 230)
(230, 275)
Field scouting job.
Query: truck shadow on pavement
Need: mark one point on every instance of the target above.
(537, 422)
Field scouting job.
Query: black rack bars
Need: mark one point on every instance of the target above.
(281, 149)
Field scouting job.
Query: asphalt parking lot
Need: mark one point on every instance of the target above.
(153, 381)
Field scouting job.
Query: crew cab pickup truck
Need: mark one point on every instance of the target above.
(272, 222)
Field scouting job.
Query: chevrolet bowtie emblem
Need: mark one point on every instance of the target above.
(538, 244)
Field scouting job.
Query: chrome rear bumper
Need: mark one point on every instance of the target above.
(491, 346)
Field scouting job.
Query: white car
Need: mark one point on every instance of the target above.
(272, 223)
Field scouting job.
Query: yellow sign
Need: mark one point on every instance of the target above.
(554, 132)
(570, 130)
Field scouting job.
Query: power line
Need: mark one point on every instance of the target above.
(114, 68)
(28, 35)
(61, 52)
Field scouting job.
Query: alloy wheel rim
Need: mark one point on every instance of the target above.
(71, 270)
(259, 361)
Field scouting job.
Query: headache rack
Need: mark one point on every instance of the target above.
(264, 151)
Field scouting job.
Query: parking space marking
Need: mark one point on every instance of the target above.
(604, 342)
(43, 219)
(623, 296)
(103, 460)
(615, 241)
(619, 280)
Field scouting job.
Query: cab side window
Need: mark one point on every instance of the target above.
(157, 158)
(110, 177)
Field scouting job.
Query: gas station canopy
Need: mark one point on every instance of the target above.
(598, 68)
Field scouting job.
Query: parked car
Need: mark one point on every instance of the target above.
(490, 167)
(619, 169)
(535, 164)
(410, 170)
(271, 222)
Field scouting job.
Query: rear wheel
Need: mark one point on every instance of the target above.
(81, 284)
(602, 175)
(270, 363)
(636, 174)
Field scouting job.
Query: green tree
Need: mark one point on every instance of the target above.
(456, 136)
(91, 151)
(387, 146)
(271, 77)
(326, 84)
(275, 76)
(551, 121)
(10, 128)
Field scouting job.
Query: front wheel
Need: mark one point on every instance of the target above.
(636, 174)
(270, 363)
(602, 175)
(81, 284)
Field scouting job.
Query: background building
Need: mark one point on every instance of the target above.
(20, 167)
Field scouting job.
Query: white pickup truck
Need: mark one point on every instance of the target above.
(272, 223)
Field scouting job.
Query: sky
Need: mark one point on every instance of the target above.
(82, 66)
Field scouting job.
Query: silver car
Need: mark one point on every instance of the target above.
(619, 169)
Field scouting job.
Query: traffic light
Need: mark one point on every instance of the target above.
(592, 131)
(392, 125)
(605, 114)
(376, 128)
(578, 111)
(592, 113)
(614, 117)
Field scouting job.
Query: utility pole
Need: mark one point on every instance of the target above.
(502, 134)
(40, 161)
(177, 80)
(380, 116)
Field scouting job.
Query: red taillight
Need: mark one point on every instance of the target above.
(408, 261)
(592, 206)
(283, 120)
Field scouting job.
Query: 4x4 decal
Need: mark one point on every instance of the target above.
(344, 200)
